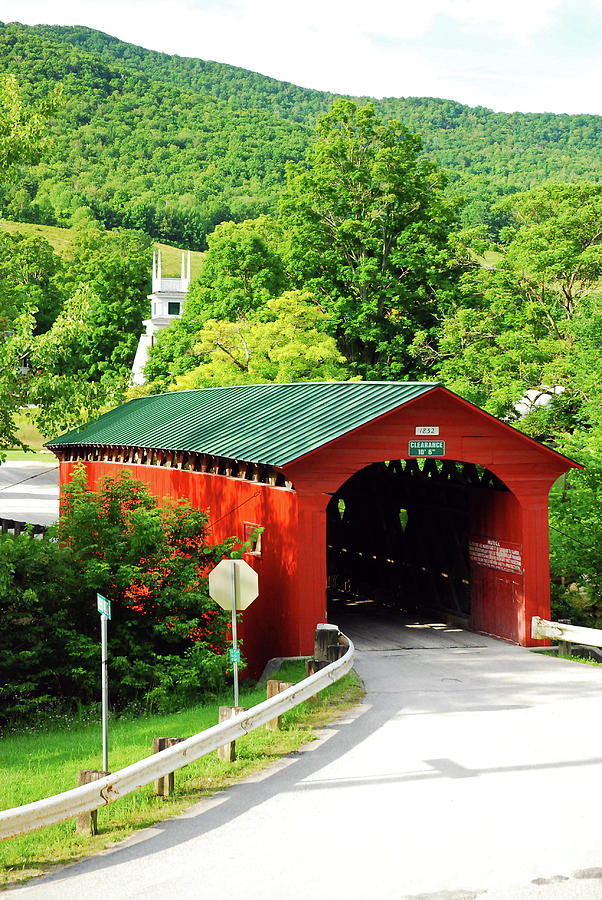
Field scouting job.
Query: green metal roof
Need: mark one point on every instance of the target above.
(263, 423)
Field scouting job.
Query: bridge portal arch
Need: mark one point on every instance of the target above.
(407, 535)
(448, 507)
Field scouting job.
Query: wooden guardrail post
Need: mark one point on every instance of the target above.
(311, 667)
(564, 647)
(325, 636)
(314, 665)
(326, 650)
(87, 823)
(227, 752)
(164, 786)
(274, 687)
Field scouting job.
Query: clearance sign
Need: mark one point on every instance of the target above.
(426, 448)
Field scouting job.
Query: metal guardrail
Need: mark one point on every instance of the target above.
(111, 787)
(560, 631)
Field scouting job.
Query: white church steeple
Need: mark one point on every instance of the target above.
(168, 299)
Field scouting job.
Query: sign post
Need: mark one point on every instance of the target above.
(234, 585)
(104, 608)
(235, 582)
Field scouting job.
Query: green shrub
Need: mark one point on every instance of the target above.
(166, 638)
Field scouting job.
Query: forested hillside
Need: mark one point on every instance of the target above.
(174, 146)
(140, 152)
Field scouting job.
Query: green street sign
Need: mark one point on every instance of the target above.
(234, 654)
(103, 606)
(426, 448)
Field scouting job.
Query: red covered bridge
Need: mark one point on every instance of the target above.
(401, 492)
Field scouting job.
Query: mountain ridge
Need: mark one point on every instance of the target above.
(173, 144)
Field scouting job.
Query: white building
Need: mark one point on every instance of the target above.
(534, 397)
(167, 303)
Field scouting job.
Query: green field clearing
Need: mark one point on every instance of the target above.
(62, 238)
(44, 456)
(59, 238)
(35, 765)
(171, 261)
(28, 431)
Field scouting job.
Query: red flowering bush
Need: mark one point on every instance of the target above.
(151, 559)
(166, 638)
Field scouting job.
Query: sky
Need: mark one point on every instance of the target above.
(514, 55)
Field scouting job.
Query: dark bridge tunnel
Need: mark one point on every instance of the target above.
(398, 537)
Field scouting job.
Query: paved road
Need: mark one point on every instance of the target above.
(468, 771)
(375, 628)
(29, 491)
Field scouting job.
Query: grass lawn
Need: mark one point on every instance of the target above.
(171, 261)
(35, 456)
(28, 432)
(62, 238)
(33, 766)
(59, 238)
(571, 658)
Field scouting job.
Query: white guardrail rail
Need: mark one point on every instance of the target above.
(111, 787)
(560, 631)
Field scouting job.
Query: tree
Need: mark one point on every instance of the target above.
(242, 270)
(575, 503)
(284, 342)
(115, 267)
(22, 140)
(14, 347)
(367, 226)
(58, 379)
(576, 532)
(23, 129)
(530, 320)
(530, 317)
(82, 362)
(29, 278)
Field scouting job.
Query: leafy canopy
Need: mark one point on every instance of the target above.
(241, 272)
(366, 225)
(23, 128)
(530, 319)
(285, 342)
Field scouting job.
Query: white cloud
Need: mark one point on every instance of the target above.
(516, 19)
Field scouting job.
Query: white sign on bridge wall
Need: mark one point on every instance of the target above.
(501, 555)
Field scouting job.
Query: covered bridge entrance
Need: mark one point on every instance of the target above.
(401, 534)
(400, 492)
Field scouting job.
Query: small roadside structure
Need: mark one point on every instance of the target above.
(399, 491)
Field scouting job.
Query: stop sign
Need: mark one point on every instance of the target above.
(233, 577)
